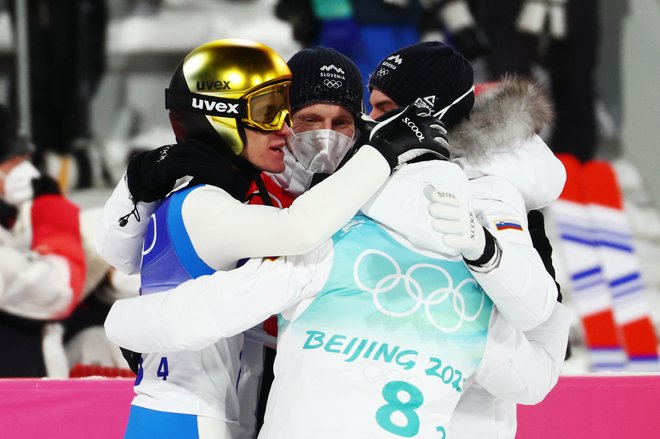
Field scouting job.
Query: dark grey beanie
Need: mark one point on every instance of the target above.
(430, 74)
(323, 75)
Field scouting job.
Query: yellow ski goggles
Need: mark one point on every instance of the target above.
(268, 107)
(265, 109)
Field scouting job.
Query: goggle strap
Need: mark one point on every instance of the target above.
(209, 105)
(443, 111)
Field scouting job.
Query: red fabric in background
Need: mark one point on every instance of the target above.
(56, 230)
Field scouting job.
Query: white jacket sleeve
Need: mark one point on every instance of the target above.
(523, 367)
(200, 311)
(32, 285)
(400, 204)
(521, 288)
(42, 266)
(121, 246)
(224, 230)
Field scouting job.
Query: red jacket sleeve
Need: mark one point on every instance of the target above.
(56, 230)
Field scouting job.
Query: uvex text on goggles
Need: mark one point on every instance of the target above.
(265, 109)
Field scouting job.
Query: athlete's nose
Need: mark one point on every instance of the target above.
(285, 131)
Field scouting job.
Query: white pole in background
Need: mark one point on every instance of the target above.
(23, 69)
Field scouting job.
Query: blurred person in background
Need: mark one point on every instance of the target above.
(42, 262)
(229, 129)
(367, 30)
(67, 60)
(560, 37)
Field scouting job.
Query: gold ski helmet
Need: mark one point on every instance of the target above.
(224, 86)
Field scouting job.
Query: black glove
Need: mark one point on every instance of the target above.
(45, 185)
(152, 174)
(318, 177)
(7, 214)
(132, 359)
(541, 243)
(364, 125)
(403, 135)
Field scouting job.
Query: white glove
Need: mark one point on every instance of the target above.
(18, 183)
(458, 224)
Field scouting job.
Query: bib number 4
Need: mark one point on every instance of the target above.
(163, 370)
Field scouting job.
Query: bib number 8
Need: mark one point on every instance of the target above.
(402, 399)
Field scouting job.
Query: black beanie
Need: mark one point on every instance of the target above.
(430, 74)
(11, 143)
(324, 76)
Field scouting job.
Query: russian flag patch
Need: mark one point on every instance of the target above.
(508, 225)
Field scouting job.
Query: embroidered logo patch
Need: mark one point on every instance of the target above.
(333, 76)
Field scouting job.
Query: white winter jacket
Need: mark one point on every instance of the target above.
(199, 312)
(42, 267)
(512, 171)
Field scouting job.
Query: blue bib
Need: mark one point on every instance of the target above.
(168, 256)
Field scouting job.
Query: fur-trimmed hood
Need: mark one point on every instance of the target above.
(502, 138)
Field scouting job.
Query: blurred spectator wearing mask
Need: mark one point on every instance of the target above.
(42, 263)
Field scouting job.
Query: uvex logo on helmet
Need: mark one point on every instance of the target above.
(213, 85)
(220, 107)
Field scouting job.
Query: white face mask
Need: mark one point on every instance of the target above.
(18, 183)
(319, 150)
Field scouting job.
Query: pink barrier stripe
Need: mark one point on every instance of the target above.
(602, 407)
(64, 409)
(584, 407)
